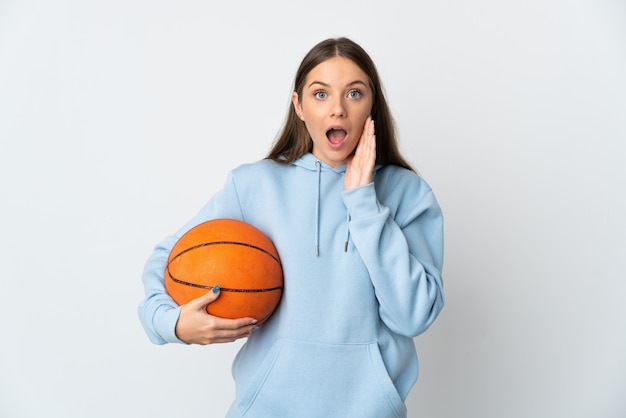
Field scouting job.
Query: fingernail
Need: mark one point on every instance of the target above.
(255, 329)
(216, 289)
(254, 321)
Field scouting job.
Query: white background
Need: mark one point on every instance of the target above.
(118, 120)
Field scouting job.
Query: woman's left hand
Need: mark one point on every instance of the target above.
(360, 166)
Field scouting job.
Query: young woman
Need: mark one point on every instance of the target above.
(360, 236)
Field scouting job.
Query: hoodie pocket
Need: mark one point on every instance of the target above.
(303, 379)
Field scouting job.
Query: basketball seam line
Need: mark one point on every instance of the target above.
(206, 244)
(224, 289)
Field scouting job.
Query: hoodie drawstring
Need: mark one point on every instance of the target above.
(345, 246)
(317, 209)
(318, 166)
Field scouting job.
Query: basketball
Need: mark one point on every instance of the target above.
(234, 255)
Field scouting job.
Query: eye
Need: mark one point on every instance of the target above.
(354, 94)
(320, 94)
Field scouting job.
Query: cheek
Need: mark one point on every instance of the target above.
(314, 131)
(312, 120)
(364, 111)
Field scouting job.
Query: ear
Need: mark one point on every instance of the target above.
(296, 104)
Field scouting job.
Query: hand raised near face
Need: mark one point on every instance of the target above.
(360, 166)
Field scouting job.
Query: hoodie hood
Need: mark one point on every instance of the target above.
(311, 162)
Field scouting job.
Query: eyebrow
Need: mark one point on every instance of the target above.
(328, 85)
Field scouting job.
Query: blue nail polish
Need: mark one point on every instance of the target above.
(216, 288)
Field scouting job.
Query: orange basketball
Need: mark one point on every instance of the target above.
(234, 255)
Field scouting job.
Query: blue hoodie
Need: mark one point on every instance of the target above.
(362, 272)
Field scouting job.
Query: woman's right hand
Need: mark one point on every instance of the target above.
(196, 326)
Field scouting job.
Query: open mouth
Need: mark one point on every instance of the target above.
(336, 136)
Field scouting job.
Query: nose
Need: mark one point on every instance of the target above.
(338, 108)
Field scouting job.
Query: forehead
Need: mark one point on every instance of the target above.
(337, 71)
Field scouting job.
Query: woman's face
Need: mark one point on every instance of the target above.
(336, 101)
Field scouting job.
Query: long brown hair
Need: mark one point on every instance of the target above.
(294, 139)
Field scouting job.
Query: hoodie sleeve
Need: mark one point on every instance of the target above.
(158, 313)
(401, 245)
